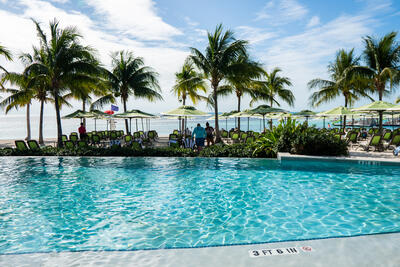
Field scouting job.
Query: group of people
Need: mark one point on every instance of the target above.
(201, 135)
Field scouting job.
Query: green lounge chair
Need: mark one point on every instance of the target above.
(176, 132)
(96, 139)
(141, 133)
(136, 145)
(395, 142)
(69, 145)
(352, 139)
(151, 135)
(73, 138)
(136, 135)
(82, 144)
(21, 145)
(224, 134)
(74, 133)
(243, 136)
(64, 138)
(249, 139)
(387, 136)
(33, 145)
(337, 136)
(375, 142)
(235, 137)
(113, 136)
(128, 139)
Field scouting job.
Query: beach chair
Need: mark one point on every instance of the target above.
(151, 135)
(74, 133)
(352, 139)
(235, 137)
(376, 130)
(375, 142)
(69, 145)
(33, 145)
(249, 139)
(128, 139)
(224, 134)
(136, 145)
(173, 140)
(96, 139)
(243, 136)
(73, 138)
(371, 131)
(82, 144)
(64, 138)
(395, 142)
(387, 136)
(337, 136)
(136, 135)
(21, 145)
(175, 132)
(113, 135)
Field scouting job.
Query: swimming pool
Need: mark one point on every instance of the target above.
(75, 204)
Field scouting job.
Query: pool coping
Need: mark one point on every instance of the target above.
(365, 250)
(353, 159)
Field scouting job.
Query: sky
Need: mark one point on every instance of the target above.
(299, 36)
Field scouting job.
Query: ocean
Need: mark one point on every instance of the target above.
(14, 126)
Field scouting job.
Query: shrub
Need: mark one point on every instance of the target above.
(234, 150)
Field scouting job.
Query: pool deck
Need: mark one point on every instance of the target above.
(370, 250)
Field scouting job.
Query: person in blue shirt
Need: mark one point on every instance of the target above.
(199, 133)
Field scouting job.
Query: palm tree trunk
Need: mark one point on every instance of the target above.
(58, 117)
(344, 117)
(84, 109)
(183, 120)
(238, 109)
(28, 121)
(217, 134)
(41, 141)
(126, 120)
(381, 88)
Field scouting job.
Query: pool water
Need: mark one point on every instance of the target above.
(74, 204)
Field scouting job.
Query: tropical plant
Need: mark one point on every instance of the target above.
(241, 80)
(217, 63)
(8, 56)
(273, 88)
(130, 77)
(65, 65)
(382, 59)
(344, 81)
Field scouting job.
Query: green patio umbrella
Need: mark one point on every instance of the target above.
(79, 114)
(243, 114)
(377, 106)
(305, 113)
(135, 114)
(224, 116)
(185, 111)
(339, 111)
(264, 110)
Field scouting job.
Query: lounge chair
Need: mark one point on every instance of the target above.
(243, 136)
(113, 135)
(136, 145)
(249, 139)
(387, 136)
(152, 135)
(175, 132)
(235, 137)
(337, 136)
(173, 140)
(82, 144)
(69, 145)
(224, 134)
(64, 138)
(352, 139)
(21, 145)
(128, 139)
(73, 138)
(136, 135)
(96, 139)
(33, 145)
(395, 142)
(375, 142)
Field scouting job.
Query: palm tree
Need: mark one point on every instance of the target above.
(8, 56)
(344, 81)
(130, 77)
(272, 88)
(65, 65)
(188, 83)
(216, 64)
(241, 80)
(382, 58)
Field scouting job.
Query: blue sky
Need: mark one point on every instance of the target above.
(301, 37)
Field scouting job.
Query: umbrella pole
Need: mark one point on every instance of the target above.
(324, 122)
(136, 125)
(263, 123)
(248, 123)
(130, 125)
(95, 129)
(392, 122)
(226, 123)
(142, 124)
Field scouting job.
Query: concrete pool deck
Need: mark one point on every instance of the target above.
(369, 250)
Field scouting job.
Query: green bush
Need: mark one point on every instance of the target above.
(235, 150)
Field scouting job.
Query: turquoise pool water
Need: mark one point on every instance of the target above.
(71, 204)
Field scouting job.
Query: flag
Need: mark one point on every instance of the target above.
(114, 108)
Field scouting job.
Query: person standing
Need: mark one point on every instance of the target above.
(210, 134)
(82, 132)
(199, 133)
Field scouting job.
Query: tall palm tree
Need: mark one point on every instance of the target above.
(65, 66)
(241, 80)
(344, 82)
(216, 64)
(188, 83)
(130, 77)
(382, 58)
(272, 88)
(8, 56)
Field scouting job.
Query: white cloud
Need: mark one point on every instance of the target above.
(314, 21)
(254, 35)
(282, 11)
(22, 35)
(305, 56)
(60, 1)
(137, 18)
